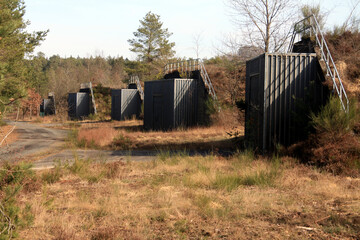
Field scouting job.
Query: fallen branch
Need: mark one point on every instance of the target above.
(322, 219)
(306, 228)
(7, 135)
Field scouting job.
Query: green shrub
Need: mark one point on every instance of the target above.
(333, 119)
(13, 178)
(333, 147)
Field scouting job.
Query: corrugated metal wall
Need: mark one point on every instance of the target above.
(170, 103)
(185, 102)
(276, 84)
(47, 106)
(125, 103)
(78, 105)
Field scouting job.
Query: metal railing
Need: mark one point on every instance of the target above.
(312, 25)
(187, 66)
(134, 79)
(89, 86)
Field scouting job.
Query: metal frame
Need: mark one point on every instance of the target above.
(313, 25)
(135, 80)
(187, 66)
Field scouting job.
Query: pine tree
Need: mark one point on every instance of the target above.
(151, 41)
(15, 44)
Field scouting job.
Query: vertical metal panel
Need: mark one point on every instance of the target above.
(130, 103)
(116, 104)
(78, 105)
(280, 81)
(159, 104)
(125, 103)
(170, 103)
(185, 102)
(82, 105)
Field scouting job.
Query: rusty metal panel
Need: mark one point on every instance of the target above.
(125, 103)
(275, 84)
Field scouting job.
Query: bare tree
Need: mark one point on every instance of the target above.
(264, 23)
(352, 21)
(197, 41)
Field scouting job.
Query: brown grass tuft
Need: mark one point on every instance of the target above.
(101, 137)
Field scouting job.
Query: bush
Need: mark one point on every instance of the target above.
(333, 147)
(13, 178)
(333, 119)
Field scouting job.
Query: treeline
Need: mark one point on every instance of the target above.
(64, 75)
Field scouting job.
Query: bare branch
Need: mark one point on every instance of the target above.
(264, 23)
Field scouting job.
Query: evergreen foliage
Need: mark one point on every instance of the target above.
(151, 41)
(15, 44)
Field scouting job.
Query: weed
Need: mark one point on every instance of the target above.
(79, 165)
(93, 116)
(99, 213)
(181, 226)
(243, 159)
(72, 137)
(122, 142)
(53, 175)
(227, 182)
(163, 155)
(262, 178)
(159, 217)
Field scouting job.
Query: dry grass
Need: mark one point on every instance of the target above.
(99, 136)
(182, 197)
(4, 130)
(130, 135)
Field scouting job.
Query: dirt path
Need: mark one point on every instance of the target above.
(33, 140)
(45, 147)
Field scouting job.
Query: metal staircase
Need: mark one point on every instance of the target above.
(186, 67)
(309, 26)
(134, 79)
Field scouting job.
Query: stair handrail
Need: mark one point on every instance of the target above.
(325, 55)
(134, 79)
(187, 66)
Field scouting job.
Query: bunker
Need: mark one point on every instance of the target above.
(47, 106)
(78, 105)
(281, 90)
(171, 103)
(125, 103)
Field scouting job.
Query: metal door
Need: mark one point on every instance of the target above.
(254, 120)
(158, 112)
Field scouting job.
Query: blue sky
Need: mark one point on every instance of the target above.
(102, 27)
